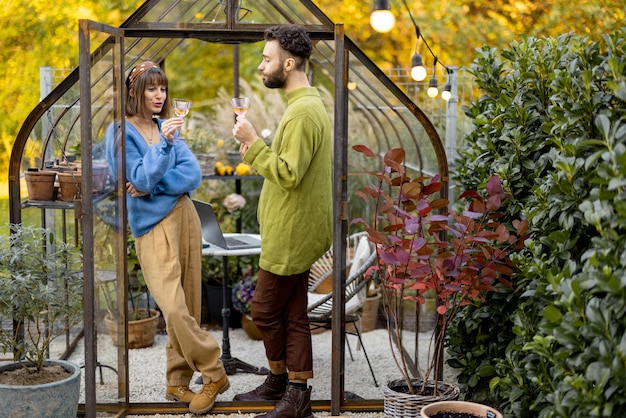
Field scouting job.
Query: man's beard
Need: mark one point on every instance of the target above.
(275, 80)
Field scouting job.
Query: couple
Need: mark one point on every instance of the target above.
(295, 218)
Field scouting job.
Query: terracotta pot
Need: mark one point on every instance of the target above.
(99, 179)
(70, 185)
(141, 332)
(369, 317)
(459, 407)
(250, 328)
(40, 184)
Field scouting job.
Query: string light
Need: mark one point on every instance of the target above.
(381, 22)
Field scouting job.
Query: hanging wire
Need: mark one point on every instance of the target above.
(418, 33)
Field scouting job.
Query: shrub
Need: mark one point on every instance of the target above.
(550, 123)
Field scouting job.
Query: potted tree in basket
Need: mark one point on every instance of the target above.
(40, 299)
(422, 247)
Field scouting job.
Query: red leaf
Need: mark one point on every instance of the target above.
(494, 186)
(364, 150)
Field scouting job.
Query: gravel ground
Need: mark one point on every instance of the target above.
(147, 368)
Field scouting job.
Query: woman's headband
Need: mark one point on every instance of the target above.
(139, 70)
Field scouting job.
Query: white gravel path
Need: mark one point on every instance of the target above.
(147, 371)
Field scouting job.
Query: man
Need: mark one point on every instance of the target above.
(295, 218)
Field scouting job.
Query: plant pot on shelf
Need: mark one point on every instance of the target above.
(207, 163)
(141, 332)
(100, 174)
(40, 184)
(459, 409)
(399, 402)
(57, 399)
(70, 185)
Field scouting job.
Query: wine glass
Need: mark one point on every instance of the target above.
(181, 109)
(240, 105)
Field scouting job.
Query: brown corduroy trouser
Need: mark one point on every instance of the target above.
(279, 310)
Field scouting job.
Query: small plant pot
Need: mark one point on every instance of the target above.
(99, 179)
(40, 184)
(70, 185)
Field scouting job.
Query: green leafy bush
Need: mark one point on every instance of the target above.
(551, 123)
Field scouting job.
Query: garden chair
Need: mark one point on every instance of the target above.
(360, 255)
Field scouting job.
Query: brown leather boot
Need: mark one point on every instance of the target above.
(272, 389)
(295, 403)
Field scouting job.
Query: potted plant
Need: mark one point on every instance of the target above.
(423, 247)
(40, 184)
(41, 295)
(459, 409)
(143, 321)
(242, 293)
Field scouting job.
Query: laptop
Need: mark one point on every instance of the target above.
(212, 233)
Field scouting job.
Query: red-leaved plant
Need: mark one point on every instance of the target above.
(422, 246)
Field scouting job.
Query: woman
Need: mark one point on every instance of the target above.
(161, 173)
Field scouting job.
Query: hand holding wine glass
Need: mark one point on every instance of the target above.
(240, 107)
(181, 109)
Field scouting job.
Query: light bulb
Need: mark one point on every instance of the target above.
(418, 72)
(432, 87)
(351, 85)
(446, 94)
(382, 20)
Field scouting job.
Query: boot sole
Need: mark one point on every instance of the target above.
(174, 398)
(208, 408)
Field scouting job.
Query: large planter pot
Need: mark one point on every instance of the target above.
(399, 402)
(460, 409)
(215, 303)
(49, 400)
(40, 184)
(141, 332)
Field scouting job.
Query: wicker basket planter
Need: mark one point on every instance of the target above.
(398, 402)
(207, 163)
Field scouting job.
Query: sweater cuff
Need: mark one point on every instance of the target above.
(254, 150)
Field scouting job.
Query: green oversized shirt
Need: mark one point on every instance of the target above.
(295, 206)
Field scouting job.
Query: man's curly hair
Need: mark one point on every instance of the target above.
(294, 39)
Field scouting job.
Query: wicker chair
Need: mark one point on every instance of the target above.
(360, 255)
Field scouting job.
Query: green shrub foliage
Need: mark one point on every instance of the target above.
(551, 123)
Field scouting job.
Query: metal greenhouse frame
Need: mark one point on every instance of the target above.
(91, 97)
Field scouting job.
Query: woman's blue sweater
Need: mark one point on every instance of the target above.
(166, 170)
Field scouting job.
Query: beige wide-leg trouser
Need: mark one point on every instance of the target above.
(170, 256)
